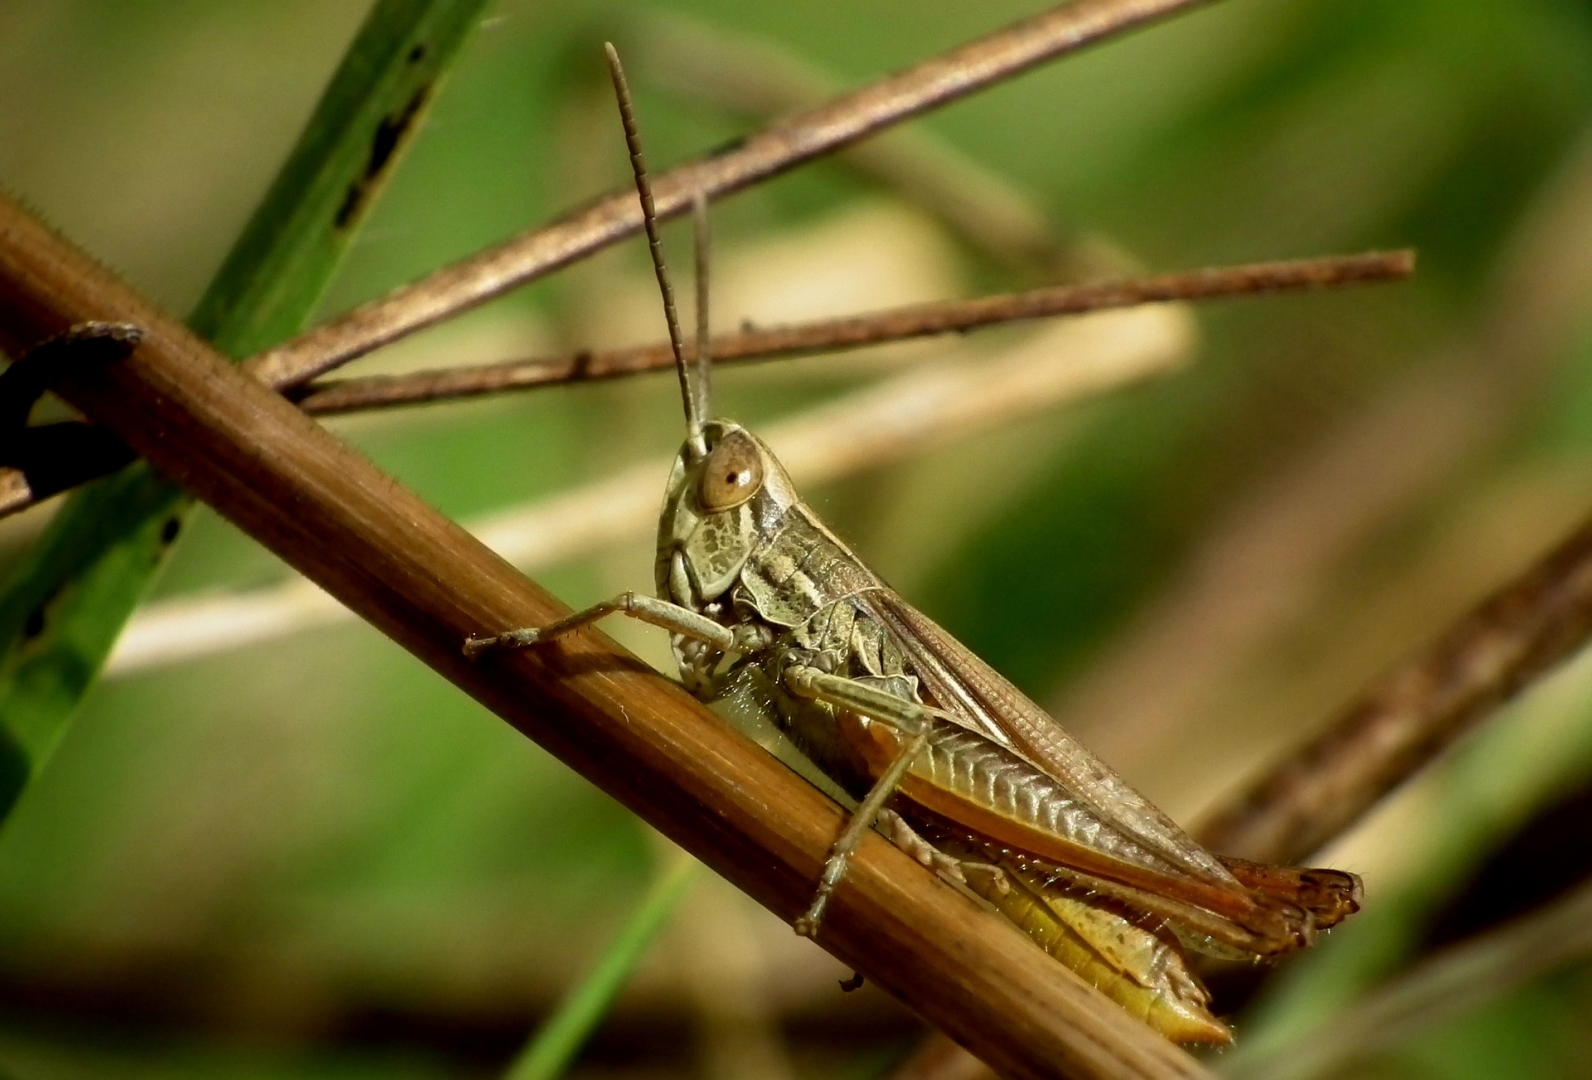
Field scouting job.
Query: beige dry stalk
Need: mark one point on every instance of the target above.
(337, 396)
(882, 423)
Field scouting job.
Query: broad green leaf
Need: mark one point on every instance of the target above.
(66, 605)
(555, 1045)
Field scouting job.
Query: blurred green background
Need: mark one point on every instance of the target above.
(309, 856)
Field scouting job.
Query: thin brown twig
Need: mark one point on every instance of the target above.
(776, 148)
(857, 331)
(337, 396)
(426, 583)
(865, 429)
(758, 80)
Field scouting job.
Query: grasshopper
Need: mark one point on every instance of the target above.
(772, 617)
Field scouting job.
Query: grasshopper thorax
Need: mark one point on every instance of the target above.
(719, 505)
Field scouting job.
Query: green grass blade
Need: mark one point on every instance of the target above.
(279, 267)
(553, 1047)
(64, 608)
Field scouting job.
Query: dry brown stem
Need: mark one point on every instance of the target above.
(1441, 988)
(334, 397)
(757, 79)
(1415, 711)
(781, 146)
(426, 583)
(857, 331)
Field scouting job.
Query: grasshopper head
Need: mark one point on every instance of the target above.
(726, 491)
(719, 505)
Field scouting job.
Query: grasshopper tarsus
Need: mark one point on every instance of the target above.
(807, 925)
(834, 870)
(905, 837)
(475, 647)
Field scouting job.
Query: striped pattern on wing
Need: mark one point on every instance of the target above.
(974, 693)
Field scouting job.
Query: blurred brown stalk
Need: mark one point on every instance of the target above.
(1414, 712)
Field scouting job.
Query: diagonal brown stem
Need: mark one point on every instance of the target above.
(426, 583)
(747, 76)
(781, 146)
(1414, 712)
(1401, 723)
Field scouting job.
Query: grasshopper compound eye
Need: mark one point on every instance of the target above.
(732, 473)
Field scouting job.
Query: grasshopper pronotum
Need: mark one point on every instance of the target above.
(772, 616)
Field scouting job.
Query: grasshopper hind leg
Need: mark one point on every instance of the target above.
(1139, 963)
(905, 837)
(851, 836)
(911, 719)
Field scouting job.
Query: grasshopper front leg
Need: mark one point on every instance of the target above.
(649, 609)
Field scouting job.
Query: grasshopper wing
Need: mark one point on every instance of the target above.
(978, 696)
(1282, 907)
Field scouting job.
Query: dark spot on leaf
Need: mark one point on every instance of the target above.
(418, 53)
(39, 617)
(169, 531)
(14, 772)
(384, 145)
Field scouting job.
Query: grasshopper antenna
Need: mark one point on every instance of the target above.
(649, 219)
(702, 398)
